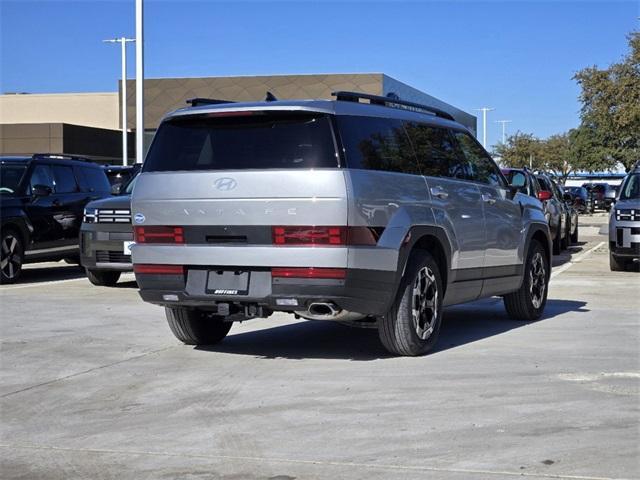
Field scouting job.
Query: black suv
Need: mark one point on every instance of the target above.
(42, 199)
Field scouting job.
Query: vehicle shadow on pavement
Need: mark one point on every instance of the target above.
(566, 255)
(33, 275)
(324, 339)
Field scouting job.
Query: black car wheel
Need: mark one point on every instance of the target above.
(574, 235)
(617, 264)
(103, 278)
(11, 257)
(412, 325)
(557, 242)
(196, 327)
(529, 301)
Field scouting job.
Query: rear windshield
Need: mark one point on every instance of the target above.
(259, 140)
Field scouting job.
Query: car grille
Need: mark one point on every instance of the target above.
(106, 256)
(118, 215)
(627, 215)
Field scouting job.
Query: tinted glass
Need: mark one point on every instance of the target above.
(93, 179)
(65, 180)
(41, 175)
(377, 144)
(631, 187)
(242, 142)
(544, 184)
(483, 168)
(10, 176)
(434, 148)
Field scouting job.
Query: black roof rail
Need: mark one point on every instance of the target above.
(390, 101)
(194, 102)
(61, 156)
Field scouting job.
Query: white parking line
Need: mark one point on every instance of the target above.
(578, 259)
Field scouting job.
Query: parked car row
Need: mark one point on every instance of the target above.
(558, 205)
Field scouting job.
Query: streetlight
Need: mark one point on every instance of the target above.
(484, 111)
(123, 45)
(504, 135)
(139, 83)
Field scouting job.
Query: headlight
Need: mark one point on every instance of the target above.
(90, 215)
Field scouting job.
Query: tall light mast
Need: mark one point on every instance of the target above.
(484, 111)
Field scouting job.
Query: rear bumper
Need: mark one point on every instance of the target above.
(368, 292)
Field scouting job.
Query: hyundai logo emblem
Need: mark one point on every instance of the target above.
(225, 183)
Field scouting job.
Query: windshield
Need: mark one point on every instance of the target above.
(631, 187)
(243, 140)
(10, 176)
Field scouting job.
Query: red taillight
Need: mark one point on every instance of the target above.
(544, 195)
(323, 235)
(158, 234)
(308, 272)
(157, 269)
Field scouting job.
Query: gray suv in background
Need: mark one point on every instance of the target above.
(106, 237)
(366, 210)
(624, 223)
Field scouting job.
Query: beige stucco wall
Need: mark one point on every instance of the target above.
(99, 110)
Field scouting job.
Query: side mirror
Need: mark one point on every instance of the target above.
(544, 195)
(115, 188)
(41, 190)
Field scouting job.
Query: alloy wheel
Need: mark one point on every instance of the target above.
(11, 260)
(425, 303)
(537, 280)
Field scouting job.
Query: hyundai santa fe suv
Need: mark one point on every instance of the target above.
(364, 209)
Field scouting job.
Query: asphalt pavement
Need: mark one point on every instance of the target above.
(93, 385)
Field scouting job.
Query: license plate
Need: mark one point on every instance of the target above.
(127, 247)
(228, 282)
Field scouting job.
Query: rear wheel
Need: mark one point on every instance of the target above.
(103, 278)
(11, 256)
(196, 327)
(412, 325)
(574, 235)
(529, 301)
(565, 242)
(557, 247)
(617, 264)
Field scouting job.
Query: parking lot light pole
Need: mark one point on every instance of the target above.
(139, 83)
(504, 131)
(484, 111)
(123, 47)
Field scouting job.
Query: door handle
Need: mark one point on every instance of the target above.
(439, 192)
(486, 198)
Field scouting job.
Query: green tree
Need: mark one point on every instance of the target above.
(519, 150)
(610, 111)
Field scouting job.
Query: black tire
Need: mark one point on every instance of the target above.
(399, 331)
(528, 302)
(11, 256)
(617, 264)
(557, 246)
(196, 327)
(574, 236)
(103, 278)
(565, 242)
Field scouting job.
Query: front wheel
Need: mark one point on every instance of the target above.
(196, 327)
(103, 278)
(528, 302)
(574, 235)
(412, 325)
(11, 257)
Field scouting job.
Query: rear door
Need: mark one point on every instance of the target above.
(40, 210)
(502, 215)
(68, 203)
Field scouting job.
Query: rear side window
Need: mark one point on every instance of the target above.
(41, 175)
(64, 178)
(483, 168)
(93, 179)
(260, 141)
(373, 143)
(434, 148)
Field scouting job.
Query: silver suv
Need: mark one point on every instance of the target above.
(367, 210)
(624, 223)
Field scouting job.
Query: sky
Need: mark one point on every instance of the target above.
(515, 56)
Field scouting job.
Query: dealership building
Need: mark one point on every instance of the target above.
(89, 124)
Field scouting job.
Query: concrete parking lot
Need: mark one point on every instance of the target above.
(95, 386)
